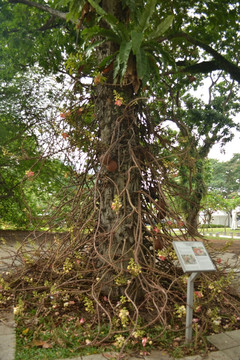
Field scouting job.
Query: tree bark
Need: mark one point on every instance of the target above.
(118, 232)
(192, 220)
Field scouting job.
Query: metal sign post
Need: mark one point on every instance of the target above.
(189, 307)
(194, 259)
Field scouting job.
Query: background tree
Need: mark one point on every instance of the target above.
(212, 202)
(30, 181)
(225, 175)
(223, 193)
(200, 125)
(31, 143)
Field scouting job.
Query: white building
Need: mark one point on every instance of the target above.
(235, 218)
(222, 218)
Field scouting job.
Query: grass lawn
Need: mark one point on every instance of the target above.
(49, 341)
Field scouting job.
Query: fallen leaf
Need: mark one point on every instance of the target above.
(47, 345)
(24, 332)
(41, 343)
(60, 342)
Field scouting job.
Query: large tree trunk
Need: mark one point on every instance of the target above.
(196, 189)
(118, 233)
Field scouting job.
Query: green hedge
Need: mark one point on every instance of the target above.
(206, 226)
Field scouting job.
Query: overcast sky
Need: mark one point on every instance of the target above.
(229, 149)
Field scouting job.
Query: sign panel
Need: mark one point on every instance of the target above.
(193, 256)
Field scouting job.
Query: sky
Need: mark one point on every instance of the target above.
(229, 149)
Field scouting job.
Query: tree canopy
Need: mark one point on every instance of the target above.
(225, 175)
(44, 33)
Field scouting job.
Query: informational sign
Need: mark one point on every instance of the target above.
(193, 256)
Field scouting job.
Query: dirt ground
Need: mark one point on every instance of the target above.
(218, 243)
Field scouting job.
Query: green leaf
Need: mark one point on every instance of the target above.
(106, 61)
(162, 27)
(142, 63)
(152, 64)
(116, 68)
(146, 15)
(94, 31)
(136, 41)
(98, 8)
(119, 28)
(89, 49)
(75, 8)
(124, 53)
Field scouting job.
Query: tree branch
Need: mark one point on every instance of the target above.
(202, 67)
(45, 8)
(219, 61)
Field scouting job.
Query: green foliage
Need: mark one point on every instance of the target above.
(146, 15)
(29, 181)
(26, 37)
(28, 186)
(225, 175)
(74, 8)
(133, 39)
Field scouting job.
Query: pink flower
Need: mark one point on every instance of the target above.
(29, 173)
(161, 257)
(82, 321)
(118, 102)
(195, 320)
(219, 260)
(198, 309)
(144, 341)
(65, 135)
(157, 230)
(169, 222)
(63, 115)
(198, 294)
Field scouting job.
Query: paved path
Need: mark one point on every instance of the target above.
(7, 336)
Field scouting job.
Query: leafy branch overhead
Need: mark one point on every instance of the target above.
(219, 62)
(141, 48)
(136, 40)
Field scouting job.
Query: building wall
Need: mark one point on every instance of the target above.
(218, 218)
